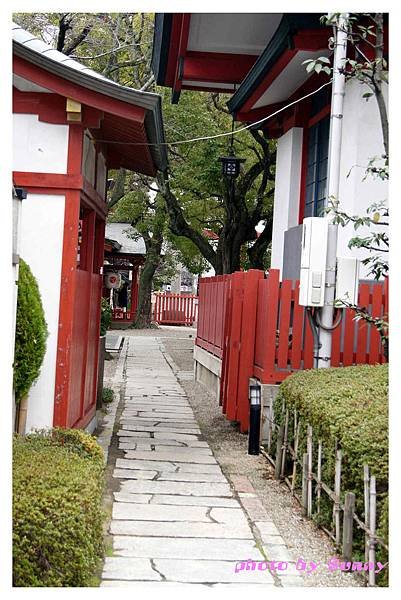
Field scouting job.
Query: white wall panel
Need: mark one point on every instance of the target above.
(39, 147)
(286, 194)
(42, 225)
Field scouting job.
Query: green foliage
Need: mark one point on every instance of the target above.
(107, 395)
(30, 333)
(105, 316)
(57, 516)
(347, 407)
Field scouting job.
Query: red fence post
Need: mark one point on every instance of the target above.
(247, 344)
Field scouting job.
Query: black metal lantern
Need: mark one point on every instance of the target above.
(231, 165)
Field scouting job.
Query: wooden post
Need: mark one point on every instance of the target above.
(310, 457)
(279, 452)
(348, 523)
(319, 476)
(305, 483)
(366, 503)
(296, 444)
(337, 492)
(372, 529)
(285, 444)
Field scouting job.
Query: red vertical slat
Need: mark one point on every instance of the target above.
(377, 307)
(225, 358)
(362, 326)
(234, 343)
(296, 345)
(348, 349)
(247, 345)
(273, 283)
(284, 324)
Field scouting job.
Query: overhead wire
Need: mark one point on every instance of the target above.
(220, 135)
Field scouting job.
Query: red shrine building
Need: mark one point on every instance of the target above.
(258, 59)
(70, 126)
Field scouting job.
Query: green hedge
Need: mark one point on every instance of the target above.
(30, 333)
(347, 406)
(57, 516)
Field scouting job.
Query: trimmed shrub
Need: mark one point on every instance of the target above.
(30, 333)
(57, 516)
(105, 316)
(107, 395)
(348, 407)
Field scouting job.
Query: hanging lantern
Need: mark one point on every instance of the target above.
(231, 165)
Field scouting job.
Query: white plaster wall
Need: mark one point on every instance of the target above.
(362, 139)
(42, 224)
(287, 188)
(39, 147)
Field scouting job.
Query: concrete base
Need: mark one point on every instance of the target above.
(269, 393)
(207, 370)
(91, 426)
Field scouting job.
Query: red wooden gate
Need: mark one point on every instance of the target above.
(175, 309)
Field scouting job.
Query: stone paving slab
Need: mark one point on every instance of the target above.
(179, 488)
(208, 571)
(191, 477)
(134, 474)
(180, 529)
(172, 456)
(134, 569)
(191, 500)
(159, 512)
(196, 548)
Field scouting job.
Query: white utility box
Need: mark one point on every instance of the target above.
(347, 280)
(313, 261)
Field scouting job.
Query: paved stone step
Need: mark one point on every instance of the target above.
(161, 432)
(134, 474)
(190, 500)
(180, 529)
(194, 457)
(134, 569)
(180, 488)
(207, 571)
(159, 512)
(195, 548)
(190, 477)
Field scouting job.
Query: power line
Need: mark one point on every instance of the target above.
(219, 135)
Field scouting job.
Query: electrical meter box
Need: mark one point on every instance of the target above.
(347, 280)
(313, 261)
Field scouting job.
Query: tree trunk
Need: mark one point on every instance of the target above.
(143, 316)
(154, 245)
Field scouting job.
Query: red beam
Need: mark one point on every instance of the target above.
(217, 67)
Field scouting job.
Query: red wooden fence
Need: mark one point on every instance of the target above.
(257, 327)
(175, 309)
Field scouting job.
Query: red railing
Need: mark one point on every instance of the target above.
(175, 309)
(257, 327)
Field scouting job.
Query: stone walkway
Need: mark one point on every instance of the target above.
(176, 518)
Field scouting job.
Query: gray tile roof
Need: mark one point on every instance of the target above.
(121, 233)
